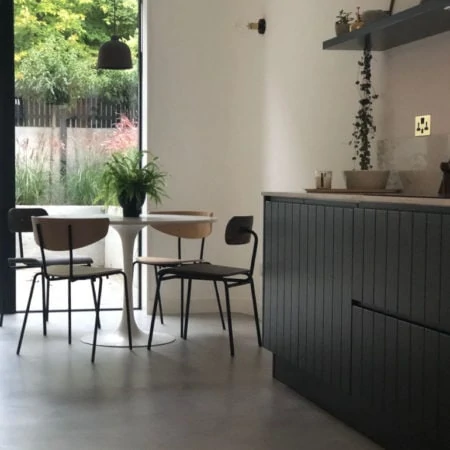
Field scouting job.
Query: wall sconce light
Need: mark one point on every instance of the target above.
(260, 26)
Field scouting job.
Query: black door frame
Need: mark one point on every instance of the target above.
(7, 155)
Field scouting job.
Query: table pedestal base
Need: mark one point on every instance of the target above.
(120, 339)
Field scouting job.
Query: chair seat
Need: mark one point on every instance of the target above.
(204, 271)
(81, 271)
(163, 261)
(51, 261)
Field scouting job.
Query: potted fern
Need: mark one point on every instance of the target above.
(125, 180)
(364, 133)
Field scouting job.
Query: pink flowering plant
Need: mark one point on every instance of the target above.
(124, 137)
(124, 175)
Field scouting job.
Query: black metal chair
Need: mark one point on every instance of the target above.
(19, 222)
(67, 234)
(238, 232)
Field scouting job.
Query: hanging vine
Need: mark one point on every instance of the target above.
(363, 126)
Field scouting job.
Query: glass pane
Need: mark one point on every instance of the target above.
(70, 116)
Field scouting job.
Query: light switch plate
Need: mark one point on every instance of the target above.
(422, 125)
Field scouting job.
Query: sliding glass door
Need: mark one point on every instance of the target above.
(61, 117)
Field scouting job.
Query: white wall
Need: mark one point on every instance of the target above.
(310, 94)
(232, 113)
(416, 84)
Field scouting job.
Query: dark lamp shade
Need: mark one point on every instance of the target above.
(114, 55)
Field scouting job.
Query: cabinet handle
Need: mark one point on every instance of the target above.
(358, 304)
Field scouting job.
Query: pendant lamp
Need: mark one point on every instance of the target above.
(114, 54)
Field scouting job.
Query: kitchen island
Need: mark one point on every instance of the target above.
(357, 310)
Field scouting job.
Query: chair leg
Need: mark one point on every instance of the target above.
(44, 298)
(97, 316)
(24, 324)
(181, 307)
(219, 305)
(230, 328)
(188, 307)
(135, 263)
(47, 289)
(255, 313)
(44, 307)
(127, 307)
(158, 298)
(155, 306)
(94, 295)
(69, 297)
(99, 294)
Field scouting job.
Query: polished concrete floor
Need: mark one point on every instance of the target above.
(186, 395)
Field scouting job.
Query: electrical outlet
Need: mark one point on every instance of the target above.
(422, 125)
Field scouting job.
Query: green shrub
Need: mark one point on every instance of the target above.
(83, 182)
(31, 184)
(32, 174)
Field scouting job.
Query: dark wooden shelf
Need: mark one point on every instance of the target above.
(419, 22)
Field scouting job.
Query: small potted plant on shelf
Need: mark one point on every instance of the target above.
(364, 132)
(342, 25)
(125, 180)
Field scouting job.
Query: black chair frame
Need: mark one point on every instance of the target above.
(238, 232)
(70, 279)
(19, 222)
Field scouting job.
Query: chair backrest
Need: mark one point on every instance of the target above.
(239, 231)
(186, 230)
(56, 233)
(19, 221)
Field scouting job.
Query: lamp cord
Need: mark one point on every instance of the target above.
(114, 18)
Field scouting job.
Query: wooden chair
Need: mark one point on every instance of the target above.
(64, 234)
(19, 222)
(182, 231)
(238, 232)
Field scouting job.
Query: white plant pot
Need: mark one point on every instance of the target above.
(366, 179)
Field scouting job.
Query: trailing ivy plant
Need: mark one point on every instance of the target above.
(364, 127)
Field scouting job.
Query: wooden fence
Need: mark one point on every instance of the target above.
(86, 113)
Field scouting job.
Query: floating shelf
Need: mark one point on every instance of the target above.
(428, 19)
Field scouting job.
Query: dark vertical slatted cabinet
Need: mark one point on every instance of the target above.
(357, 314)
(401, 327)
(307, 276)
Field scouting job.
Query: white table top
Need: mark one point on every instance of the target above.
(143, 219)
(159, 218)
